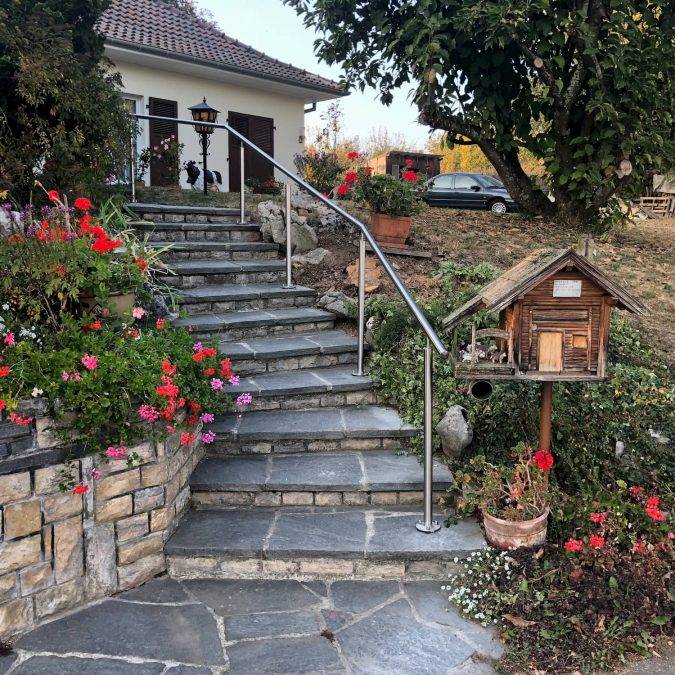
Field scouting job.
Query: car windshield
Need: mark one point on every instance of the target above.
(489, 181)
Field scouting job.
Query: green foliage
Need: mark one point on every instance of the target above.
(588, 419)
(386, 194)
(580, 86)
(321, 169)
(60, 109)
(49, 266)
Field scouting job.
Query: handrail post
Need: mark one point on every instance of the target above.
(428, 525)
(289, 243)
(362, 306)
(132, 165)
(242, 184)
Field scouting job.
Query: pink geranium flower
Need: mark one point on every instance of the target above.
(234, 380)
(116, 453)
(138, 312)
(244, 399)
(9, 339)
(89, 362)
(207, 418)
(216, 384)
(148, 413)
(208, 437)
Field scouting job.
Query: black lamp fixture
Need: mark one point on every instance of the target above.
(203, 112)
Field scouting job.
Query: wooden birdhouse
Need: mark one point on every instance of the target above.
(554, 308)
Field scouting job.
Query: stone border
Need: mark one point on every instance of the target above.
(60, 550)
(307, 569)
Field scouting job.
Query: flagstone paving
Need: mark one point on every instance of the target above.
(200, 627)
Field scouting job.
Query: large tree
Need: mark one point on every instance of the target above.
(62, 120)
(588, 86)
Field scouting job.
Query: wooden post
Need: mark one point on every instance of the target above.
(545, 409)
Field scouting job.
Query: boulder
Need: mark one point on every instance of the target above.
(303, 237)
(315, 257)
(455, 431)
(339, 304)
(373, 274)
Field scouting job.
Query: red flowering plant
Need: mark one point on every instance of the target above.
(51, 258)
(518, 491)
(108, 388)
(382, 193)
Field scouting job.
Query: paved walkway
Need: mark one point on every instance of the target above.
(205, 627)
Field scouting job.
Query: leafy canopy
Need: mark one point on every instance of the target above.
(582, 84)
(60, 110)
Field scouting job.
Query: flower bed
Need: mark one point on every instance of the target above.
(106, 412)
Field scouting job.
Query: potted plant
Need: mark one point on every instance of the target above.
(391, 200)
(264, 187)
(513, 499)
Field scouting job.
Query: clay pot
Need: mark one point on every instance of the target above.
(390, 231)
(118, 303)
(510, 534)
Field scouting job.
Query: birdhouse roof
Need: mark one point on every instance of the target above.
(530, 272)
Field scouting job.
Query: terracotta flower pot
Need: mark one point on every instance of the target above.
(510, 534)
(390, 230)
(118, 303)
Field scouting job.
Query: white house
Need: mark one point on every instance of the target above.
(170, 60)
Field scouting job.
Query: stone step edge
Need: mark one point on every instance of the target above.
(307, 568)
(229, 226)
(203, 496)
(227, 446)
(151, 207)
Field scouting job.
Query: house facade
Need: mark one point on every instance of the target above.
(170, 60)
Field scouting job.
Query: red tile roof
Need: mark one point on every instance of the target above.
(157, 27)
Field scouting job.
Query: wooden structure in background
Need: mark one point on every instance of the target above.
(394, 163)
(554, 308)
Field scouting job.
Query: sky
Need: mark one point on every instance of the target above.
(273, 28)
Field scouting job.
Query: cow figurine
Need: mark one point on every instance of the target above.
(213, 178)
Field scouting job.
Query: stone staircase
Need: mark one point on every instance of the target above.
(310, 481)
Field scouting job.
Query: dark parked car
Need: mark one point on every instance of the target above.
(468, 191)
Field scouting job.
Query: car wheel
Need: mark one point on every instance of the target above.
(498, 206)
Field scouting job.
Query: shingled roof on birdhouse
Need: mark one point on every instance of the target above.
(554, 310)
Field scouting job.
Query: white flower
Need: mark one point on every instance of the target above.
(6, 306)
(36, 392)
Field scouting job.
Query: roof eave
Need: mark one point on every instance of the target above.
(184, 58)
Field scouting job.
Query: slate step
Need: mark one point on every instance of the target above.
(217, 250)
(290, 352)
(229, 297)
(153, 207)
(364, 427)
(377, 477)
(258, 323)
(315, 542)
(297, 389)
(169, 232)
(192, 273)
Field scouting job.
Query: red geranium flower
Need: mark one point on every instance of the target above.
(599, 518)
(343, 189)
(543, 460)
(596, 541)
(5, 371)
(351, 177)
(409, 163)
(82, 203)
(53, 196)
(655, 513)
(105, 245)
(653, 502)
(3, 404)
(368, 170)
(21, 421)
(409, 176)
(159, 324)
(167, 368)
(186, 438)
(574, 545)
(81, 489)
(352, 155)
(142, 264)
(635, 490)
(226, 368)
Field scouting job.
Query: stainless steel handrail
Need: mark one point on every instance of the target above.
(427, 523)
(391, 273)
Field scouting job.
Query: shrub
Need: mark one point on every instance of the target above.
(320, 169)
(53, 259)
(384, 193)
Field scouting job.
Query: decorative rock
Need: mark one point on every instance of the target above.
(58, 598)
(140, 571)
(68, 549)
(455, 431)
(338, 303)
(101, 577)
(315, 257)
(373, 274)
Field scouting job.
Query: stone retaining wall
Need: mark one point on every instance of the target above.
(59, 550)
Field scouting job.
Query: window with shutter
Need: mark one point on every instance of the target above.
(260, 130)
(159, 131)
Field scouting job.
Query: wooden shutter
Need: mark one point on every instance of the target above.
(260, 130)
(159, 131)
